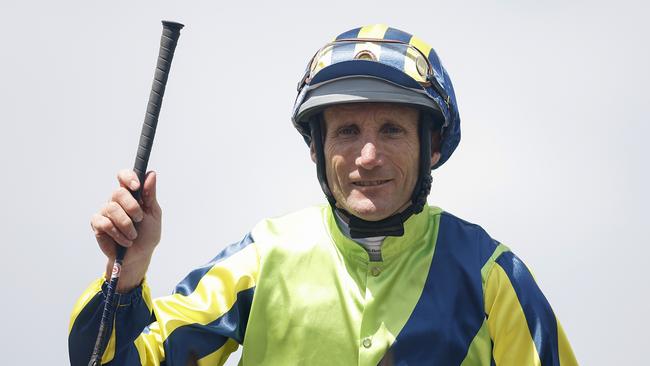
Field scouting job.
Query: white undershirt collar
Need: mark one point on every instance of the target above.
(372, 245)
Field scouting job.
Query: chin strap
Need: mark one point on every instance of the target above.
(392, 225)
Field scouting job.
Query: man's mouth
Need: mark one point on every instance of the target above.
(370, 183)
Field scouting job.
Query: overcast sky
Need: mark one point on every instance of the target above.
(553, 98)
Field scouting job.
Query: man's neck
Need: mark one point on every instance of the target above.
(372, 245)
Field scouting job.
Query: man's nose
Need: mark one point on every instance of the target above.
(369, 157)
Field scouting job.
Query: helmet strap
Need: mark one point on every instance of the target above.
(423, 184)
(392, 225)
(316, 125)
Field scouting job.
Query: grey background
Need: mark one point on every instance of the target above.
(553, 98)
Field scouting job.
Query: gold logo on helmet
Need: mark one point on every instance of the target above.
(365, 55)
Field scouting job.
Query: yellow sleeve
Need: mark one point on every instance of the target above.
(202, 321)
(521, 323)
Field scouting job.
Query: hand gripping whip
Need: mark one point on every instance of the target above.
(168, 40)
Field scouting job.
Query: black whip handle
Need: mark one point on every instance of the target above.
(168, 41)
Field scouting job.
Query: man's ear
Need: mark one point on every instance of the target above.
(312, 151)
(435, 148)
(435, 157)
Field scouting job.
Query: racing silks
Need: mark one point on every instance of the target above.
(296, 291)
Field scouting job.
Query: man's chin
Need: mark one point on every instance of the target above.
(369, 211)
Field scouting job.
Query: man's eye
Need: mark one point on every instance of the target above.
(348, 131)
(391, 129)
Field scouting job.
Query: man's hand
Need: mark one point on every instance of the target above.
(114, 225)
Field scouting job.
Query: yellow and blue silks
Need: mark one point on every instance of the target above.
(296, 291)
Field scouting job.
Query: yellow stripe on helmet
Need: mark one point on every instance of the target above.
(323, 59)
(376, 31)
(420, 45)
(373, 31)
(410, 67)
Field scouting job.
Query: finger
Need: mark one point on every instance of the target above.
(129, 179)
(149, 191)
(103, 226)
(125, 199)
(120, 220)
(107, 244)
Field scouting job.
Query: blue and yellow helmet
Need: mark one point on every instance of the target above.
(377, 63)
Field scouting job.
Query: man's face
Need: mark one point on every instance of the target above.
(371, 157)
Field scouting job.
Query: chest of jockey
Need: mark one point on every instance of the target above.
(320, 301)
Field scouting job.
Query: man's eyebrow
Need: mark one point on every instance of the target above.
(395, 123)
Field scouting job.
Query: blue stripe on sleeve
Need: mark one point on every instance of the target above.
(127, 356)
(450, 310)
(130, 320)
(131, 317)
(538, 312)
(81, 340)
(195, 341)
(189, 283)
